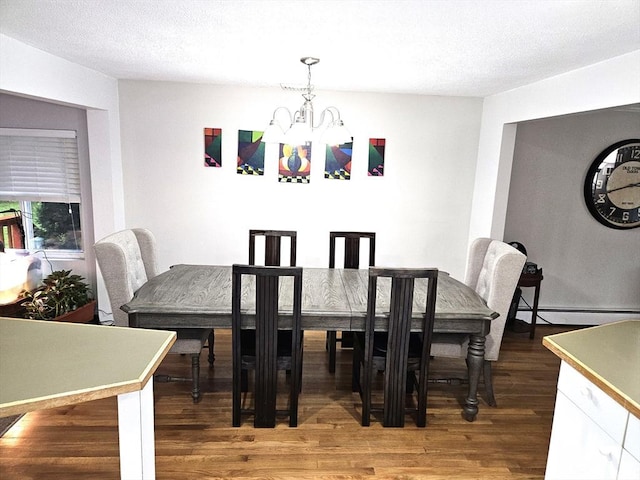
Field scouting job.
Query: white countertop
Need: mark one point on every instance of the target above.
(608, 355)
(46, 364)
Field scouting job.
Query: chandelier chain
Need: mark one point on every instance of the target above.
(309, 96)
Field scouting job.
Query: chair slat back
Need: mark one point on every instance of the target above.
(401, 304)
(398, 331)
(272, 246)
(352, 248)
(267, 293)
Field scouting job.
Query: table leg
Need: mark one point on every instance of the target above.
(475, 360)
(136, 434)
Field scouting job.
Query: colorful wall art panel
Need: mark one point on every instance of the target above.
(294, 165)
(250, 153)
(338, 161)
(212, 147)
(376, 157)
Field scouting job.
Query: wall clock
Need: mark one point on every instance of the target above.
(612, 185)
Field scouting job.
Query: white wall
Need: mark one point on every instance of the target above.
(32, 73)
(437, 133)
(419, 209)
(602, 85)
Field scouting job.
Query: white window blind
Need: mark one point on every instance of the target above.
(39, 165)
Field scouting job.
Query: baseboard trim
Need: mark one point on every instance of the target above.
(575, 317)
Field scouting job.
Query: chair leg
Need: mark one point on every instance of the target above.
(294, 391)
(211, 341)
(422, 387)
(411, 381)
(355, 371)
(301, 361)
(195, 373)
(488, 383)
(331, 347)
(365, 395)
(244, 380)
(236, 390)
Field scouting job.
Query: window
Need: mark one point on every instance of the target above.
(40, 185)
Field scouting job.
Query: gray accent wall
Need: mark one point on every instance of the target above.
(588, 268)
(19, 112)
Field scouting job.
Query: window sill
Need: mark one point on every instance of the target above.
(55, 255)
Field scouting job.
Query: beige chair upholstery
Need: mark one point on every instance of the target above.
(493, 270)
(127, 259)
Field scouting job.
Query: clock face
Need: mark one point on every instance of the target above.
(612, 186)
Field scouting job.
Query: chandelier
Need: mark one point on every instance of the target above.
(299, 127)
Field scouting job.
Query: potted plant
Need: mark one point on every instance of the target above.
(62, 296)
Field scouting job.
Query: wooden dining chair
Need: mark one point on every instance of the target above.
(272, 257)
(272, 246)
(397, 352)
(260, 354)
(351, 260)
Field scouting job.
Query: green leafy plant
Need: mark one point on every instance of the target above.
(59, 293)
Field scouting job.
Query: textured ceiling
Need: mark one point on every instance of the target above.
(433, 47)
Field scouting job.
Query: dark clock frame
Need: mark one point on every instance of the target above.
(588, 182)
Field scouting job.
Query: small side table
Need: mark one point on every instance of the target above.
(532, 280)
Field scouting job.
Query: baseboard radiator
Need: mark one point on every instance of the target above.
(574, 316)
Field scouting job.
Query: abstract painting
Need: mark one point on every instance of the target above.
(250, 153)
(294, 165)
(338, 161)
(212, 147)
(376, 157)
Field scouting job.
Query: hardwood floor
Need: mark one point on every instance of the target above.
(197, 441)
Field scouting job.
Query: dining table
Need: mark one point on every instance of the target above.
(199, 296)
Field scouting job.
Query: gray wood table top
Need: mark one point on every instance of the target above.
(333, 299)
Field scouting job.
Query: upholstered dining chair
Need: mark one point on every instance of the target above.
(259, 354)
(127, 259)
(398, 352)
(351, 260)
(493, 270)
(272, 246)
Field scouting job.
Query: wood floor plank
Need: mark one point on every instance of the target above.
(197, 441)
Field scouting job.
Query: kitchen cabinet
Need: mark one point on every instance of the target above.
(596, 425)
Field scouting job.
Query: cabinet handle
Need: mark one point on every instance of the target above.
(606, 452)
(588, 394)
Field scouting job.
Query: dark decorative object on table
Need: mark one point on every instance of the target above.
(60, 296)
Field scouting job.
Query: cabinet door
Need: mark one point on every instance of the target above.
(632, 437)
(630, 461)
(629, 467)
(594, 402)
(579, 449)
